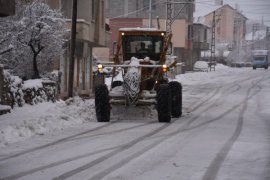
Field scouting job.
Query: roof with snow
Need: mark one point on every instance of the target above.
(204, 9)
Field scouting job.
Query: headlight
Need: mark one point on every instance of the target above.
(164, 68)
(100, 68)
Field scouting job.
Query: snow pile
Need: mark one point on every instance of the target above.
(4, 107)
(33, 83)
(43, 118)
(201, 66)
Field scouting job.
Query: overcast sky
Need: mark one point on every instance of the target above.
(253, 9)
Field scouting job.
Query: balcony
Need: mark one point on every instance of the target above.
(201, 45)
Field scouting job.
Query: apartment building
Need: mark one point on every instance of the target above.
(230, 25)
(91, 33)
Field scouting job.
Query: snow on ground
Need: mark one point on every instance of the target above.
(30, 120)
(45, 117)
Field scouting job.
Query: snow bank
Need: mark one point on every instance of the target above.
(35, 83)
(4, 107)
(27, 121)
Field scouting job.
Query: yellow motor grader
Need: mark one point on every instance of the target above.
(140, 60)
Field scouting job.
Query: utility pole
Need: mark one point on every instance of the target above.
(213, 45)
(169, 16)
(267, 38)
(150, 13)
(72, 49)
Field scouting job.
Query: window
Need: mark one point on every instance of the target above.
(205, 35)
(132, 44)
(93, 10)
(190, 32)
(102, 14)
(146, 3)
(154, 6)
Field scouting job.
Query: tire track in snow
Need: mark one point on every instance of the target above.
(21, 174)
(116, 131)
(210, 96)
(72, 159)
(182, 129)
(233, 108)
(131, 144)
(118, 165)
(79, 134)
(126, 160)
(111, 154)
(76, 136)
(216, 164)
(55, 142)
(25, 173)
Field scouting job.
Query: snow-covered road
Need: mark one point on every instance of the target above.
(224, 133)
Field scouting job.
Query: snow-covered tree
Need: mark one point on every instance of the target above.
(37, 38)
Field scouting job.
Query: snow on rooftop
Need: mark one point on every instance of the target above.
(204, 8)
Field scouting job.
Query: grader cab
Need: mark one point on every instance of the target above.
(140, 60)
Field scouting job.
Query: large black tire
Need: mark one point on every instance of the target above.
(117, 83)
(176, 97)
(102, 103)
(164, 103)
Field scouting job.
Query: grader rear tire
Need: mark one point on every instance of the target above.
(164, 103)
(176, 94)
(102, 103)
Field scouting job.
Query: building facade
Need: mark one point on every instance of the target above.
(91, 33)
(230, 25)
